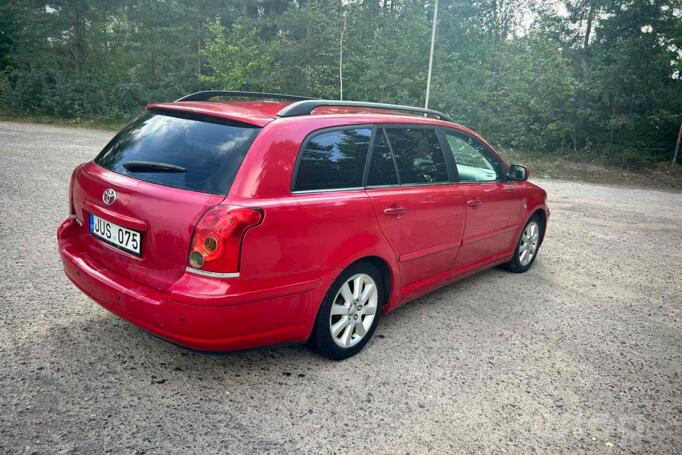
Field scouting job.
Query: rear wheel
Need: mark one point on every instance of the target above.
(349, 313)
(527, 247)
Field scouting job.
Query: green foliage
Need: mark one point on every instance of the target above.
(600, 82)
(238, 60)
(5, 90)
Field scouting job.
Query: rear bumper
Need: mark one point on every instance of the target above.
(199, 312)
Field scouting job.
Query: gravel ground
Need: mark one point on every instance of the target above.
(581, 354)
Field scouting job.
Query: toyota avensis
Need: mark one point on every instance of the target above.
(223, 225)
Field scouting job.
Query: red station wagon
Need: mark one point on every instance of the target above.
(224, 225)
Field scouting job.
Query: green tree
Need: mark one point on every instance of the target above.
(600, 78)
(238, 59)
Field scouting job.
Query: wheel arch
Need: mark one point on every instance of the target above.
(541, 213)
(388, 276)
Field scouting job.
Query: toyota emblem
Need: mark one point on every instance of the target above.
(109, 196)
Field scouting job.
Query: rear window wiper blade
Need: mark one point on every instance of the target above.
(151, 166)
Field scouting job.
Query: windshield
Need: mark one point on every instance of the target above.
(208, 151)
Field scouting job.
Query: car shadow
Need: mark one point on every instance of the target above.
(113, 339)
(97, 344)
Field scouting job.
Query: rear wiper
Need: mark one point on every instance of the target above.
(150, 166)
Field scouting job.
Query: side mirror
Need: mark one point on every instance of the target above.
(518, 173)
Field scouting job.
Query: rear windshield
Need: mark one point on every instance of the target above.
(197, 154)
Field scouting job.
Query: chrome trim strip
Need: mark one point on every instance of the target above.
(212, 274)
(402, 185)
(410, 185)
(371, 187)
(328, 190)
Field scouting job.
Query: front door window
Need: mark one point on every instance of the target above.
(475, 163)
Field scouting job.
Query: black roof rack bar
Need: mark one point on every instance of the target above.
(206, 95)
(305, 107)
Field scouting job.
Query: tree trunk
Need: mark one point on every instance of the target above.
(308, 36)
(78, 48)
(199, 33)
(588, 31)
(677, 145)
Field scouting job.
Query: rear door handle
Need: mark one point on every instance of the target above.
(392, 211)
(473, 203)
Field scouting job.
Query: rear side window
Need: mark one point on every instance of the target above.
(418, 155)
(333, 160)
(197, 154)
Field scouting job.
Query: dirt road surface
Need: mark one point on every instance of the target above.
(581, 354)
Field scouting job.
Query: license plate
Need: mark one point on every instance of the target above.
(118, 236)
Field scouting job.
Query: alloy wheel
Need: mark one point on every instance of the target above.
(529, 243)
(353, 310)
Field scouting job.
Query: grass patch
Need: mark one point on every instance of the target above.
(107, 124)
(580, 167)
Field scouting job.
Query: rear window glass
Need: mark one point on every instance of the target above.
(333, 160)
(418, 155)
(197, 154)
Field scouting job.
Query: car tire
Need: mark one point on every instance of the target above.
(528, 246)
(349, 313)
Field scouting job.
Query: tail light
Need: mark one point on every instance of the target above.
(217, 241)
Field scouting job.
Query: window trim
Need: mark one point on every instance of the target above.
(449, 157)
(395, 162)
(365, 173)
(315, 133)
(454, 131)
(329, 190)
(409, 185)
(365, 180)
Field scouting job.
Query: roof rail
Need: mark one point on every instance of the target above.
(305, 107)
(206, 95)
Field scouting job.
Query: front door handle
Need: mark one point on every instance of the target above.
(393, 211)
(473, 203)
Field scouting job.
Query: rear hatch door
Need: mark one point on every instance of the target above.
(156, 178)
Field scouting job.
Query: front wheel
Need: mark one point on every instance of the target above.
(527, 247)
(349, 313)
